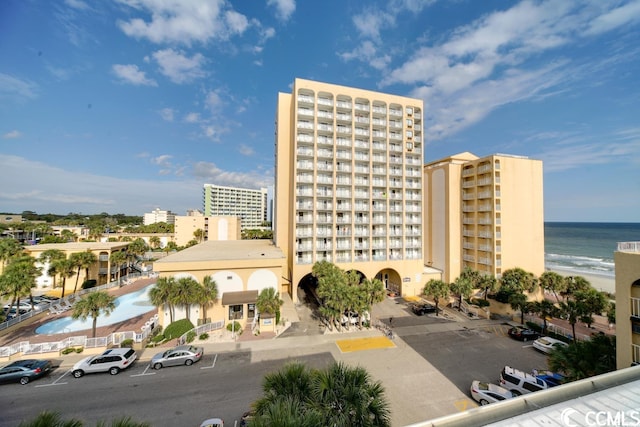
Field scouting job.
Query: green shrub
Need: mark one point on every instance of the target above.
(127, 343)
(68, 350)
(480, 302)
(177, 329)
(204, 336)
(79, 349)
(158, 338)
(89, 284)
(234, 327)
(191, 335)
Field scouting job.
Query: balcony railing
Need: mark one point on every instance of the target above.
(635, 307)
(628, 246)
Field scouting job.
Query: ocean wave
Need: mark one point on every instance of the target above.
(580, 264)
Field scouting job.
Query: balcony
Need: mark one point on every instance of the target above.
(635, 308)
(325, 115)
(628, 247)
(303, 99)
(325, 101)
(343, 105)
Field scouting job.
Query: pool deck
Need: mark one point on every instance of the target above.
(26, 330)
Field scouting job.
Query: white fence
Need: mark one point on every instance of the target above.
(202, 329)
(123, 280)
(559, 330)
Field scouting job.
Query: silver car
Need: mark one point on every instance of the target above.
(181, 355)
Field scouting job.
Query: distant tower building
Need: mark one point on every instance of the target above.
(248, 205)
(159, 216)
(484, 213)
(348, 186)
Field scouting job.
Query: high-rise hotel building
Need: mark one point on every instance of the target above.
(348, 183)
(247, 204)
(484, 213)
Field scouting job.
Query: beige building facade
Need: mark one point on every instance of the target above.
(241, 270)
(348, 184)
(214, 228)
(627, 267)
(484, 213)
(102, 271)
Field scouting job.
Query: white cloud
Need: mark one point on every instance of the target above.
(192, 118)
(213, 101)
(178, 67)
(13, 87)
(210, 172)
(167, 114)
(623, 15)
(245, 150)
(12, 134)
(479, 67)
(284, 8)
(184, 22)
(132, 74)
(76, 4)
(370, 23)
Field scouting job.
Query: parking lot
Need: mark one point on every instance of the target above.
(220, 385)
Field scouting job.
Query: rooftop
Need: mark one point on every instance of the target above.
(218, 250)
(79, 246)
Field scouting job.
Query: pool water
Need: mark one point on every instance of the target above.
(127, 306)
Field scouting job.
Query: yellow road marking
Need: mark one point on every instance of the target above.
(462, 405)
(359, 344)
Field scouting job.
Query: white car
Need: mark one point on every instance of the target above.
(485, 393)
(547, 345)
(113, 361)
(212, 422)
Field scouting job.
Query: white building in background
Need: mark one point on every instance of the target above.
(159, 216)
(247, 204)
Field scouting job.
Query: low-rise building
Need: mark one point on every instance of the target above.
(627, 266)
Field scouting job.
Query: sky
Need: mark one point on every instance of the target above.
(124, 106)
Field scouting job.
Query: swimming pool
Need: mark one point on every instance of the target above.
(127, 306)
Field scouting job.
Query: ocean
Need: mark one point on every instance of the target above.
(586, 247)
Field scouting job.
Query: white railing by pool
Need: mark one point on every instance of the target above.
(115, 338)
(125, 280)
(628, 246)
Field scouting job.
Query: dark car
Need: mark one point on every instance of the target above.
(23, 371)
(523, 334)
(422, 309)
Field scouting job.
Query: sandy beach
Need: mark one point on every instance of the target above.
(599, 282)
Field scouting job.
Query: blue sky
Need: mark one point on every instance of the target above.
(122, 106)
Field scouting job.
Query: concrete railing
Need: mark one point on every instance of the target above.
(628, 246)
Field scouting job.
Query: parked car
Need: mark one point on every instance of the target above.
(520, 382)
(24, 371)
(547, 344)
(523, 334)
(212, 422)
(181, 355)
(113, 361)
(10, 314)
(485, 393)
(551, 378)
(422, 309)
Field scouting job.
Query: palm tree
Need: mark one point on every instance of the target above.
(117, 259)
(208, 294)
(92, 305)
(185, 292)
(572, 310)
(518, 301)
(18, 278)
(65, 268)
(545, 309)
(489, 283)
(83, 260)
(49, 257)
(154, 242)
(551, 281)
(161, 293)
(348, 396)
(54, 419)
(438, 289)
(462, 287)
(338, 395)
(8, 249)
(50, 419)
(199, 235)
(583, 359)
(269, 302)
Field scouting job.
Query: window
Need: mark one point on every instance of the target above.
(409, 122)
(531, 387)
(409, 134)
(409, 110)
(251, 311)
(235, 312)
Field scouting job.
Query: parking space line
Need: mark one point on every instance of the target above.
(56, 381)
(213, 365)
(144, 373)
